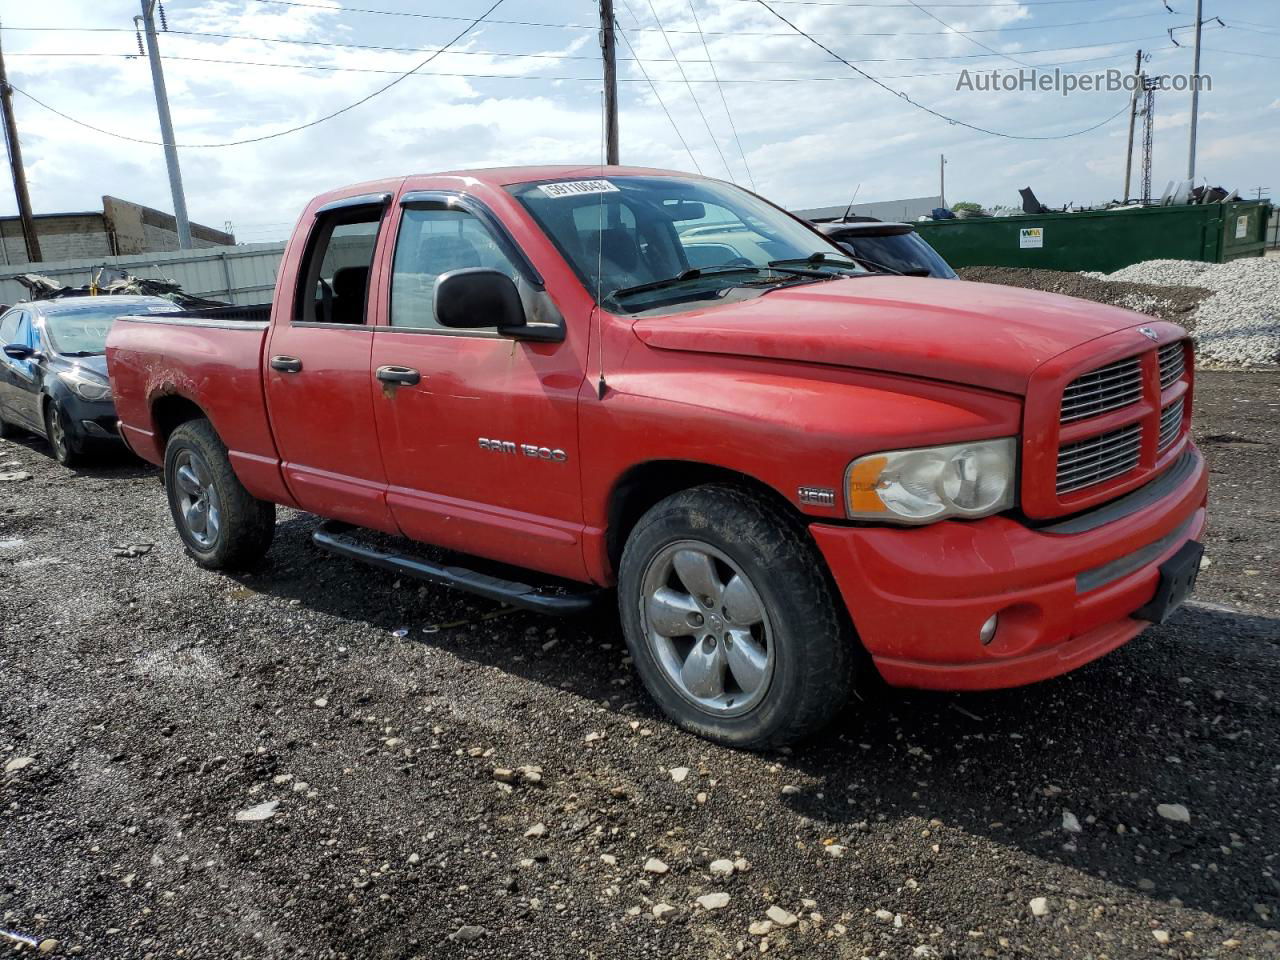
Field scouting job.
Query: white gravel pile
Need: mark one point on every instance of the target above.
(1240, 323)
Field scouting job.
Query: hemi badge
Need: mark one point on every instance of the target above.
(818, 496)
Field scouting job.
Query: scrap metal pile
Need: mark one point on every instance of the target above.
(113, 282)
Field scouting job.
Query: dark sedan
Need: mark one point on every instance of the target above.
(889, 247)
(53, 372)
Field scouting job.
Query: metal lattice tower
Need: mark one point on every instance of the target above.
(1148, 129)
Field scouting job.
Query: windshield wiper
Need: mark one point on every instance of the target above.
(82, 353)
(817, 259)
(693, 273)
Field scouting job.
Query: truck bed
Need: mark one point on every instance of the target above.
(166, 368)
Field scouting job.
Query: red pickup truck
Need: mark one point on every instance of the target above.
(566, 379)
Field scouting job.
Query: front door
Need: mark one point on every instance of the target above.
(482, 450)
(317, 374)
(19, 379)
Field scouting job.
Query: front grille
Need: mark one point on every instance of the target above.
(1107, 388)
(1172, 363)
(1099, 458)
(1170, 422)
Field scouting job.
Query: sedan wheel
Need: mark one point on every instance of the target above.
(59, 436)
(198, 504)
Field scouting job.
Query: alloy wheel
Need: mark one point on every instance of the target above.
(198, 503)
(707, 627)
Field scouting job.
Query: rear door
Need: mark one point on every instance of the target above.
(482, 451)
(319, 393)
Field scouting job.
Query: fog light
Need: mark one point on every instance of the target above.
(989, 629)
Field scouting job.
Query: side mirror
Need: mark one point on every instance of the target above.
(476, 297)
(18, 351)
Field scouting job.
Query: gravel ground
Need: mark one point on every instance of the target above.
(1240, 322)
(269, 766)
(1232, 309)
(1175, 303)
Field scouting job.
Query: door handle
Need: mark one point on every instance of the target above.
(406, 376)
(286, 364)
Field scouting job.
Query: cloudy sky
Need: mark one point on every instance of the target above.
(524, 87)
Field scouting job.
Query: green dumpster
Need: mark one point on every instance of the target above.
(1104, 240)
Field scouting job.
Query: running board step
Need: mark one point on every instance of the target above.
(340, 538)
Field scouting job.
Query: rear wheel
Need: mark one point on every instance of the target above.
(7, 430)
(731, 620)
(62, 436)
(222, 525)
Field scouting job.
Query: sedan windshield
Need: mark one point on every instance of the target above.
(640, 243)
(81, 331)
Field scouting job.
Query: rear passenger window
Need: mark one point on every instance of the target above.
(431, 243)
(335, 277)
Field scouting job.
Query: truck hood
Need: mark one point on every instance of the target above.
(978, 334)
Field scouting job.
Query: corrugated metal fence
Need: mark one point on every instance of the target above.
(242, 274)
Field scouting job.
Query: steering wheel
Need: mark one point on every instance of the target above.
(326, 300)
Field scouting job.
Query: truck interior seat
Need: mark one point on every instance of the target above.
(350, 286)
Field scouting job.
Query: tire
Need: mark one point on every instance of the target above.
(796, 663)
(64, 441)
(7, 430)
(222, 525)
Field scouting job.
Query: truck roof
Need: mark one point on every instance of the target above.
(498, 177)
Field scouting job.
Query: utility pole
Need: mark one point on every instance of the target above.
(610, 81)
(1133, 114)
(942, 178)
(166, 126)
(1195, 92)
(15, 164)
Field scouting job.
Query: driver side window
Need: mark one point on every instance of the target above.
(9, 327)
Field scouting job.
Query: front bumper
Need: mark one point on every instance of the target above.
(919, 597)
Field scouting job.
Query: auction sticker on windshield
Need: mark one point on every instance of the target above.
(577, 188)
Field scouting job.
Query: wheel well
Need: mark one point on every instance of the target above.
(170, 412)
(648, 483)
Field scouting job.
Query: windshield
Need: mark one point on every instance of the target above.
(81, 331)
(643, 242)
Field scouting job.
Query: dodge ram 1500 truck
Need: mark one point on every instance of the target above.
(568, 379)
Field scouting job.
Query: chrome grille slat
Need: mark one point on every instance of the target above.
(1085, 447)
(1100, 458)
(1173, 363)
(1100, 464)
(1092, 380)
(1102, 405)
(1111, 387)
(1170, 424)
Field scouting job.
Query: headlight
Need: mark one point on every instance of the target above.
(86, 386)
(920, 486)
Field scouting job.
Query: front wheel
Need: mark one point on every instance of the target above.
(731, 621)
(222, 525)
(62, 436)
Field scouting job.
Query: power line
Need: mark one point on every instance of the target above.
(716, 77)
(692, 96)
(653, 87)
(1238, 53)
(960, 56)
(730, 33)
(582, 26)
(930, 110)
(302, 126)
(965, 34)
(329, 68)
